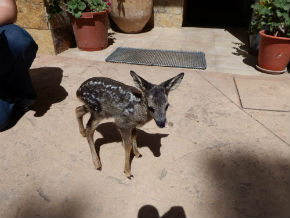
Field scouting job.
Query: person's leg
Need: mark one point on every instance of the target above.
(17, 52)
(22, 51)
(6, 111)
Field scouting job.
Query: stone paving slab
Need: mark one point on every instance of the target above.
(215, 160)
(262, 94)
(277, 122)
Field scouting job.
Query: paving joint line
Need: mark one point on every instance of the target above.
(257, 109)
(241, 108)
(238, 93)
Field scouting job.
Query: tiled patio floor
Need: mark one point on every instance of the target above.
(215, 159)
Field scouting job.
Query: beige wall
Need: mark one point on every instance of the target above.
(168, 13)
(52, 35)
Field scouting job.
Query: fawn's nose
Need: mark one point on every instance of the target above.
(161, 123)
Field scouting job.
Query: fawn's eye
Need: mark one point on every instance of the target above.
(151, 109)
(166, 107)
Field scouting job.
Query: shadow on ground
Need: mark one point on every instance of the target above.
(37, 207)
(242, 48)
(111, 134)
(46, 81)
(111, 39)
(248, 186)
(149, 211)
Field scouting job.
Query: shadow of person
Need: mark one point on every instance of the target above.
(149, 211)
(111, 134)
(244, 179)
(46, 81)
(36, 206)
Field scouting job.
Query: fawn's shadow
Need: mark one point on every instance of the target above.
(111, 134)
(46, 81)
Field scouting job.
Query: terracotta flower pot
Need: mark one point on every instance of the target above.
(274, 53)
(131, 16)
(91, 30)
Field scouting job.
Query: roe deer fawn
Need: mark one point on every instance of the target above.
(130, 107)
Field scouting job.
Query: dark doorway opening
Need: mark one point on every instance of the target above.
(213, 13)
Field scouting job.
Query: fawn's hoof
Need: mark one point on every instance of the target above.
(83, 133)
(128, 175)
(138, 155)
(98, 167)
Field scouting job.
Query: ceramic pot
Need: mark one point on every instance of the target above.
(131, 16)
(274, 53)
(91, 30)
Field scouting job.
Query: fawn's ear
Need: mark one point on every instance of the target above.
(140, 82)
(172, 83)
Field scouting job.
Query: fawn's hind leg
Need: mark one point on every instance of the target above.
(91, 127)
(134, 141)
(80, 112)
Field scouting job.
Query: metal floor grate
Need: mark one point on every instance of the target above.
(155, 57)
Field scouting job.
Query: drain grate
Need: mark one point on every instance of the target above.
(155, 57)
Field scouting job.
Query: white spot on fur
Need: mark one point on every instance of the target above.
(133, 98)
(126, 112)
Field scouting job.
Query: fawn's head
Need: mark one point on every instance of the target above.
(156, 95)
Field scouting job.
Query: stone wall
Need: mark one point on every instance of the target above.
(168, 13)
(53, 35)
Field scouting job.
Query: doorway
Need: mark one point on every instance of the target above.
(213, 13)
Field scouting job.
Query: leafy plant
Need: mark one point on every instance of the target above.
(273, 16)
(76, 7)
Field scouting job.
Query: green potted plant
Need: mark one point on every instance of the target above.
(89, 19)
(272, 19)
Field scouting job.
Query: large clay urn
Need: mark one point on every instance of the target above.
(131, 16)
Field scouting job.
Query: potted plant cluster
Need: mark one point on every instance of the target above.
(272, 20)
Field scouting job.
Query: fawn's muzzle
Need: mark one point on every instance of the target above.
(161, 123)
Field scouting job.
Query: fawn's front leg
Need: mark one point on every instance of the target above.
(91, 126)
(80, 112)
(127, 142)
(134, 141)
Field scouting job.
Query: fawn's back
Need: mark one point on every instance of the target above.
(112, 98)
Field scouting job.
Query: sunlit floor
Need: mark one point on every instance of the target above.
(226, 49)
(224, 154)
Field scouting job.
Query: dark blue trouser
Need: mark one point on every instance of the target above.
(17, 52)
